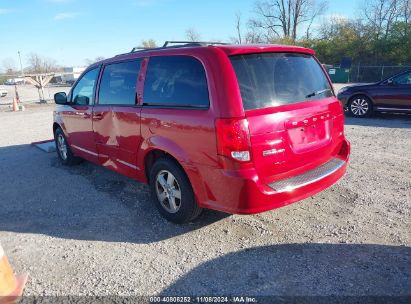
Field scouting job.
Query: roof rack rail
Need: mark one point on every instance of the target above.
(139, 48)
(176, 44)
(192, 43)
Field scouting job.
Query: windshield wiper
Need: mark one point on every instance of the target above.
(317, 93)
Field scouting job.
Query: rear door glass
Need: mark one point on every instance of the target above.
(274, 79)
(118, 83)
(176, 81)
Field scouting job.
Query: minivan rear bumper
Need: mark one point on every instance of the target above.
(243, 193)
(308, 177)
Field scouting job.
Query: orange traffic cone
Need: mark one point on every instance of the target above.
(11, 287)
(15, 105)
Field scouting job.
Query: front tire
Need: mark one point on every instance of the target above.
(64, 152)
(172, 193)
(360, 106)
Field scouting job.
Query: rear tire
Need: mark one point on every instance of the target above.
(172, 193)
(64, 152)
(360, 106)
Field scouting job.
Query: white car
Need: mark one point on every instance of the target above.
(3, 93)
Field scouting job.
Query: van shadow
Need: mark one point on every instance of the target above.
(302, 270)
(84, 202)
(383, 120)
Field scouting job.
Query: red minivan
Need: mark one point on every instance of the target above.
(236, 128)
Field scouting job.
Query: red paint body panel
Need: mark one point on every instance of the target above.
(79, 130)
(263, 48)
(301, 136)
(254, 196)
(126, 123)
(273, 129)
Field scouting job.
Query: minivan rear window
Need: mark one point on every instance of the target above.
(274, 79)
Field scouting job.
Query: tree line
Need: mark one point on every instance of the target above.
(380, 34)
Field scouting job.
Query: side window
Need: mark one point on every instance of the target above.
(403, 79)
(176, 81)
(118, 83)
(83, 92)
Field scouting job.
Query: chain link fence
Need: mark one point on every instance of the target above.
(372, 73)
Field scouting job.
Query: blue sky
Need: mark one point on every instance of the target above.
(70, 31)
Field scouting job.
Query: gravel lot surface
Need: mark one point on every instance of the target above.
(88, 231)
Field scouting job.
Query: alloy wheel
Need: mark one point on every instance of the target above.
(359, 107)
(62, 146)
(168, 191)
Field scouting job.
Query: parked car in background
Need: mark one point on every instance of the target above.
(390, 95)
(14, 81)
(70, 82)
(240, 129)
(3, 93)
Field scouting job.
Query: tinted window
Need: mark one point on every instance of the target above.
(273, 79)
(403, 79)
(83, 92)
(176, 81)
(118, 83)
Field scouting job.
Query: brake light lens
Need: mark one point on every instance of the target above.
(233, 139)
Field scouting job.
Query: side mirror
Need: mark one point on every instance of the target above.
(390, 81)
(60, 98)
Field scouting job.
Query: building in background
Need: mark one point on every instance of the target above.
(71, 74)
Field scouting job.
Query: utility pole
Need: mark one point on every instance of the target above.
(21, 66)
(22, 75)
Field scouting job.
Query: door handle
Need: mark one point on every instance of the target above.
(98, 116)
(82, 114)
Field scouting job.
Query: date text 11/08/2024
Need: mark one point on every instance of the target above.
(203, 299)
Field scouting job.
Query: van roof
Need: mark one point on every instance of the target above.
(229, 49)
(237, 49)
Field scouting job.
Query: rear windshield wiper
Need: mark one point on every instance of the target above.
(317, 93)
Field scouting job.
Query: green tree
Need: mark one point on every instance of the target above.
(149, 44)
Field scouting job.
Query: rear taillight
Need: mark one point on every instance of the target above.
(233, 139)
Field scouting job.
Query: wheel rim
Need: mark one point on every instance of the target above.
(61, 145)
(359, 107)
(168, 191)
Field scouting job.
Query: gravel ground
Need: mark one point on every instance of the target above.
(88, 231)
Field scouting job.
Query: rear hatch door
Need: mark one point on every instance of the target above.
(295, 121)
